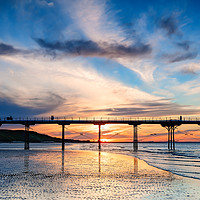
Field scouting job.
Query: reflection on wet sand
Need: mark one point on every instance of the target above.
(26, 162)
(85, 175)
(99, 161)
(63, 162)
(135, 161)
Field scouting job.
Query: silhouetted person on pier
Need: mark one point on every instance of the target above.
(9, 118)
(180, 118)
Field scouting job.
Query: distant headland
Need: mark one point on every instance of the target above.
(18, 136)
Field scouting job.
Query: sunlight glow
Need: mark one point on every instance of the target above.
(105, 140)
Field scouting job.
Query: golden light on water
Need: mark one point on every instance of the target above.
(105, 140)
(88, 163)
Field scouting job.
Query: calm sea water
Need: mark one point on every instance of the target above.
(185, 161)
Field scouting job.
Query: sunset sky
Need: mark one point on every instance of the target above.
(100, 58)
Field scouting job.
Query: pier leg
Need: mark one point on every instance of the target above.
(168, 128)
(173, 138)
(63, 137)
(135, 137)
(99, 140)
(26, 143)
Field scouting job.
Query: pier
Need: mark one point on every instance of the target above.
(168, 123)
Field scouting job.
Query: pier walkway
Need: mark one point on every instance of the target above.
(169, 123)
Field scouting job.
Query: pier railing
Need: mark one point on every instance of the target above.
(97, 119)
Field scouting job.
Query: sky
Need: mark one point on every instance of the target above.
(101, 58)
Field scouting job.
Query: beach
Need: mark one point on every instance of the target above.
(82, 174)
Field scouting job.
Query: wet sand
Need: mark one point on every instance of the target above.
(87, 175)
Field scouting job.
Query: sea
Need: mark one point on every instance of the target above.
(184, 161)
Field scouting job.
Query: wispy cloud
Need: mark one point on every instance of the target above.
(169, 24)
(189, 87)
(100, 24)
(185, 45)
(180, 56)
(6, 49)
(24, 106)
(142, 66)
(11, 50)
(148, 109)
(82, 91)
(192, 68)
(189, 70)
(182, 49)
(90, 48)
(80, 86)
(95, 20)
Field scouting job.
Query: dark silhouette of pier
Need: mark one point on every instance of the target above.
(169, 123)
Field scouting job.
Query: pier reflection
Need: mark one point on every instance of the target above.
(88, 163)
(99, 161)
(135, 160)
(63, 162)
(26, 162)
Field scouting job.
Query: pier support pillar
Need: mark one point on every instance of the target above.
(173, 139)
(63, 137)
(26, 142)
(99, 140)
(169, 132)
(135, 137)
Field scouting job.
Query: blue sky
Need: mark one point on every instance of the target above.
(99, 58)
